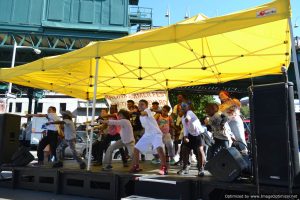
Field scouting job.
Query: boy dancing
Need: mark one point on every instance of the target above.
(192, 140)
(69, 140)
(127, 138)
(152, 136)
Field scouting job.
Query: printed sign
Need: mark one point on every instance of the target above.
(121, 100)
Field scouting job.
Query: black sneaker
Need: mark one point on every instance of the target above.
(178, 163)
(82, 165)
(58, 164)
(184, 171)
(107, 168)
(201, 173)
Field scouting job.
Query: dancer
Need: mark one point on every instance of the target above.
(127, 138)
(51, 137)
(69, 140)
(192, 140)
(152, 136)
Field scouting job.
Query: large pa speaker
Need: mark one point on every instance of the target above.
(9, 136)
(274, 133)
(22, 157)
(227, 165)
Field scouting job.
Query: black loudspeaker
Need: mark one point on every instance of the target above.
(227, 165)
(274, 134)
(9, 136)
(22, 157)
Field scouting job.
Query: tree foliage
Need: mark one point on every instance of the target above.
(199, 102)
(245, 111)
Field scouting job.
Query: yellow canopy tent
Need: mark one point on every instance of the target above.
(199, 50)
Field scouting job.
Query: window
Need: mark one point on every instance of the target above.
(63, 107)
(39, 108)
(18, 107)
(10, 107)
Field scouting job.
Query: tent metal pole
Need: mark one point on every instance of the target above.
(93, 113)
(87, 129)
(295, 60)
(167, 92)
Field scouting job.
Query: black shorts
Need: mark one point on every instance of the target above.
(194, 141)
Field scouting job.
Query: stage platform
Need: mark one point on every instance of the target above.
(118, 183)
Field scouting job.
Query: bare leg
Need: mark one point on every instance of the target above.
(162, 156)
(200, 155)
(136, 156)
(202, 158)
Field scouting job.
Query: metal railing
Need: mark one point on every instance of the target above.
(140, 12)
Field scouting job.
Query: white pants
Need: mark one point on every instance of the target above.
(117, 145)
(237, 128)
(148, 140)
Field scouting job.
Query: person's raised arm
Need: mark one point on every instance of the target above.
(55, 122)
(109, 115)
(36, 115)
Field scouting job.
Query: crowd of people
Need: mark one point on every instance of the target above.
(139, 129)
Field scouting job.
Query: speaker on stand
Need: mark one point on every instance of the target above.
(274, 134)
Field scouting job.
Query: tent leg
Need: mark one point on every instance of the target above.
(87, 129)
(167, 92)
(93, 113)
(167, 97)
(296, 67)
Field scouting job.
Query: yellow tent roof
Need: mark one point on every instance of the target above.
(201, 50)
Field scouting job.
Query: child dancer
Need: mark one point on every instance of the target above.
(192, 140)
(220, 129)
(69, 140)
(127, 138)
(166, 125)
(152, 136)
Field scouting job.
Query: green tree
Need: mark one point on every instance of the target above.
(245, 111)
(199, 102)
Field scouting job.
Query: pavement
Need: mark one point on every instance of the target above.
(10, 194)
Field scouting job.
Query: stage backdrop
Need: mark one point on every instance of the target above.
(121, 100)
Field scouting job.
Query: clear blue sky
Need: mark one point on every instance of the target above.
(210, 8)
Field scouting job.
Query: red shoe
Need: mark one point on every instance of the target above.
(135, 169)
(163, 170)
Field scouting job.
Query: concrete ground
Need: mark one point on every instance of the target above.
(10, 194)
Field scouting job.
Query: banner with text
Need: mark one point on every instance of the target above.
(121, 100)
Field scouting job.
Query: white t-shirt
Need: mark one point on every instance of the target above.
(126, 132)
(149, 123)
(193, 126)
(52, 117)
(69, 129)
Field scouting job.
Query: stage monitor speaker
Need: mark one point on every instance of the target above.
(9, 136)
(22, 157)
(274, 132)
(227, 165)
